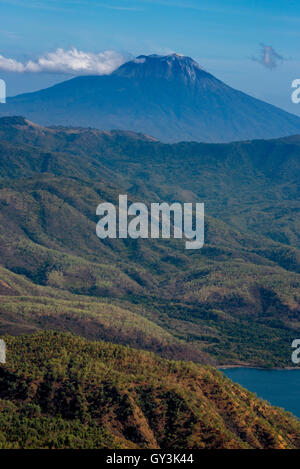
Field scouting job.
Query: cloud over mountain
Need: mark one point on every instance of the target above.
(71, 61)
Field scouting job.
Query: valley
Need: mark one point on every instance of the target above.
(234, 301)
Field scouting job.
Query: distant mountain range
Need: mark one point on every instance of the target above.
(168, 97)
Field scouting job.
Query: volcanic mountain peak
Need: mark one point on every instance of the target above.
(169, 97)
(172, 66)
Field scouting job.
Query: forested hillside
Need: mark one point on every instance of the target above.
(234, 301)
(61, 391)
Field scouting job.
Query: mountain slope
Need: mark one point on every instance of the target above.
(236, 300)
(170, 98)
(243, 183)
(59, 391)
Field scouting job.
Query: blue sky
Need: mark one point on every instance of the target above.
(223, 36)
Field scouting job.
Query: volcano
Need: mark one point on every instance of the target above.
(168, 97)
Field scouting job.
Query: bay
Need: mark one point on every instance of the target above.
(279, 387)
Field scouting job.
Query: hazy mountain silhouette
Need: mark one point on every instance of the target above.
(169, 97)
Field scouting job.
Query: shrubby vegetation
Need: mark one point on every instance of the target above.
(61, 391)
(235, 301)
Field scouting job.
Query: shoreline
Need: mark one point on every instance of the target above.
(252, 367)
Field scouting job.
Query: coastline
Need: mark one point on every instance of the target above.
(287, 368)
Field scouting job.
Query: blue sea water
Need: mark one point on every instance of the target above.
(279, 387)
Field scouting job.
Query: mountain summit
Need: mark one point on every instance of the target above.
(168, 67)
(168, 97)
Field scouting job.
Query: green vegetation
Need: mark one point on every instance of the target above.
(237, 300)
(61, 391)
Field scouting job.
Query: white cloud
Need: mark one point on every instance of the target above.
(71, 61)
